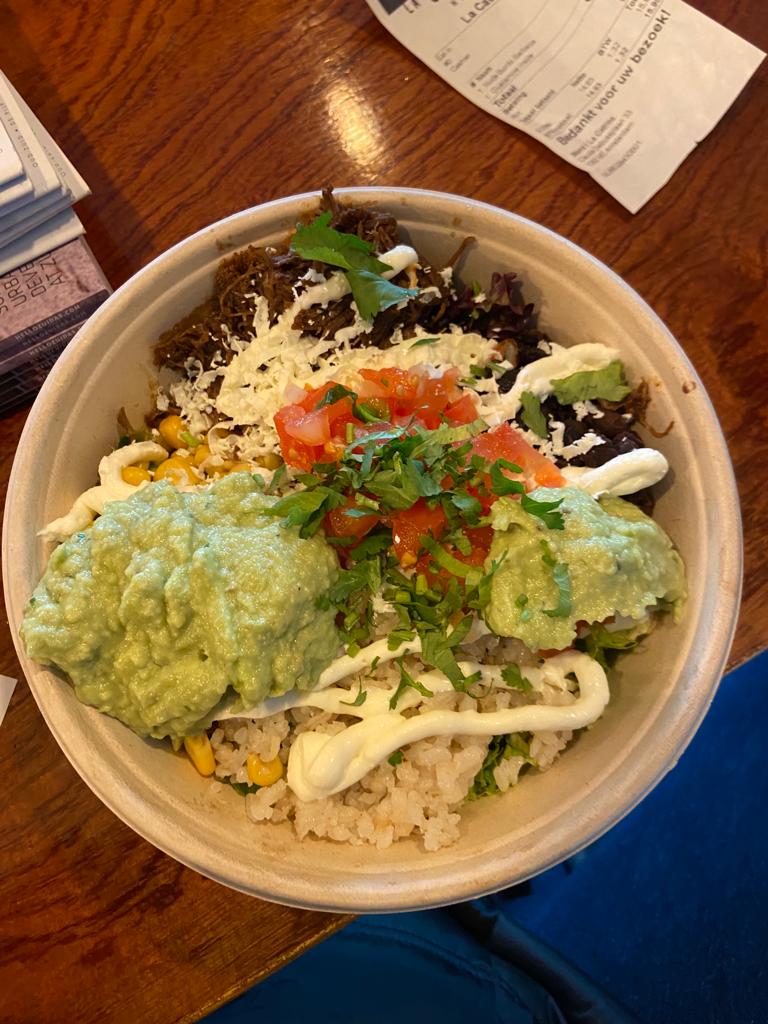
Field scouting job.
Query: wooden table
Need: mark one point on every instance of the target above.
(178, 113)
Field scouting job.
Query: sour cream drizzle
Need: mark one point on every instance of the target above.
(320, 765)
(537, 377)
(624, 474)
(375, 653)
(111, 487)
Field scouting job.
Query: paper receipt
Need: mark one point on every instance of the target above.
(623, 89)
(7, 686)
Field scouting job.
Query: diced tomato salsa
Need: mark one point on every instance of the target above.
(311, 432)
(316, 429)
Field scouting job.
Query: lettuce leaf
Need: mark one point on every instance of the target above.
(608, 383)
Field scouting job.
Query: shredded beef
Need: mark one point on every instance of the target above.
(271, 272)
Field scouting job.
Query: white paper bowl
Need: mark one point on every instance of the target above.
(659, 695)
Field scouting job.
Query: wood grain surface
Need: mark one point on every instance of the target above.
(178, 112)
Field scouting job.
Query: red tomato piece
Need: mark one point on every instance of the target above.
(295, 452)
(463, 410)
(311, 428)
(504, 442)
(312, 396)
(480, 537)
(388, 382)
(410, 525)
(339, 523)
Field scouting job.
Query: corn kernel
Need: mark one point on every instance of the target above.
(200, 753)
(200, 454)
(177, 471)
(171, 428)
(240, 467)
(135, 475)
(262, 773)
(270, 461)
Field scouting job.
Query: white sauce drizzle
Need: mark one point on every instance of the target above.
(320, 765)
(111, 487)
(624, 474)
(537, 377)
(378, 652)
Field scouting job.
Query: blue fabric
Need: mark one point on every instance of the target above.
(668, 913)
(669, 910)
(423, 967)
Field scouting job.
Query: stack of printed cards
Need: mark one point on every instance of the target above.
(38, 185)
(49, 280)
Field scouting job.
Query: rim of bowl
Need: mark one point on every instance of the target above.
(616, 805)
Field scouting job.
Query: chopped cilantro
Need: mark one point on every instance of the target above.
(513, 677)
(468, 505)
(305, 509)
(396, 758)
(562, 580)
(278, 479)
(437, 649)
(364, 575)
(397, 637)
(389, 471)
(545, 511)
(532, 416)
(605, 645)
(189, 439)
(407, 682)
(424, 341)
(335, 394)
(359, 699)
(373, 293)
(500, 749)
(243, 788)
(500, 483)
(320, 242)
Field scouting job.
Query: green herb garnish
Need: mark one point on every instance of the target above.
(359, 699)
(278, 479)
(244, 788)
(305, 509)
(546, 511)
(605, 645)
(501, 483)
(513, 677)
(335, 394)
(562, 581)
(319, 242)
(532, 416)
(500, 749)
(608, 383)
(407, 682)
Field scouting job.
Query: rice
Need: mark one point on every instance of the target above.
(422, 795)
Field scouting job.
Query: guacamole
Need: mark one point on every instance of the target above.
(172, 597)
(609, 558)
